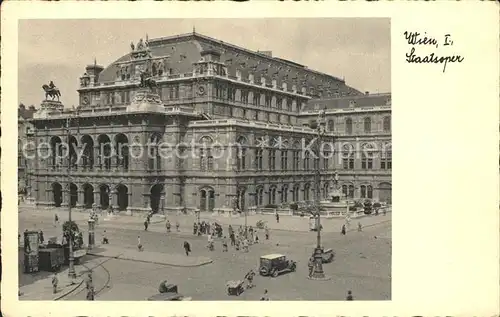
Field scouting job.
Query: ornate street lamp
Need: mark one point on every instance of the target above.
(71, 271)
(318, 273)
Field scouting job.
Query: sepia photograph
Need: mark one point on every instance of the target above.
(200, 159)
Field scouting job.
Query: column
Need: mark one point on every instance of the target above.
(113, 199)
(97, 198)
(66, 195)
(97, 158)
(81, 198)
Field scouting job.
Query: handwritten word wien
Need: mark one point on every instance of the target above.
(417, 39)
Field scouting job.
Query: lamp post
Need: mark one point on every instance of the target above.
(318, 273)
(71, 271)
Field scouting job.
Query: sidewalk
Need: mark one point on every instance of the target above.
(41, 289)
(179, 260)
(301, 224)
(287, 223)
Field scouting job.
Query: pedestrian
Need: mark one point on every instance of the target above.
(265, 296)
(384, 211)
(230, 229)
(177, 225)
(104, 238)
(232, 238)
(224, 244)
(310, 265)
(256, 237)
(359, 227)
(40, 237)
(146, 224)
(187, 247)
(55, 281)
(237, 244)
(139, 245)
(349, 296)
(249, 277)
(56, 220)
(195, 228)
(245, 245)
(167, 224)
(267, 233)
(88, 280)
(343, 229)
(90, 293)
(277, 218)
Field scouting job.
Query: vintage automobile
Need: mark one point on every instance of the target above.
(275, 264)
(167, 292)
(327, 255)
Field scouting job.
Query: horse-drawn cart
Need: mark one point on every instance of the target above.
(234, 288)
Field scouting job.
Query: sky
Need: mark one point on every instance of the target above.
(357, 49)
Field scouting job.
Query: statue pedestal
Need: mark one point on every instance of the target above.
(48, 108)
(146, 101)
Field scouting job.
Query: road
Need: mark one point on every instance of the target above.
(362, 264)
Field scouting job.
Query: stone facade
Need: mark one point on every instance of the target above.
(221, 127)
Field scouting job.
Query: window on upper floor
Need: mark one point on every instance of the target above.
(387, 124)
(272, 160)
(258, 159)
(368, 125)
(289, 105)
(256, 99)
(348, 126)
(244, 96)
(279, 103)
(348, 157)
(231, 93)
(330, 125)
(284, 160)
(269, 98)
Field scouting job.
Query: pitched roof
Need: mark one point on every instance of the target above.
(184, 50)
(361, 101)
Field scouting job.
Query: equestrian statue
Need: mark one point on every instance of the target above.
(52, 91)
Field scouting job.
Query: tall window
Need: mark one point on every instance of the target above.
(366, 191)
(256, 99)
(272, 195)
(259, 196)
(289, 105)
(279, 103)
(368, 125)
(367, 157)
(295, 160)
(348, 157)
(241, 159)
(316, 160)
(351, 191)
(244, 96)
(258, 159)
(348, 126)
(326, 159)
(269, 98)
(307, 189)
(387, 124)
(284, 160)
(174, 92)
(295, 192)
(330, 125)
(231, 93)
(284, 194)
(386, 158)
(272, 160)
(306, 161)
(206, 160)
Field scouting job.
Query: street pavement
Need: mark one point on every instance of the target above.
(362, 262)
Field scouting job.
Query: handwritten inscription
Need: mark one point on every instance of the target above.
(416, 39)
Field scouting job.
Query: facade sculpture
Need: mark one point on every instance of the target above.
(211, 97)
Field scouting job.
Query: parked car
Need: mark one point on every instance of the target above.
(275, 264)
